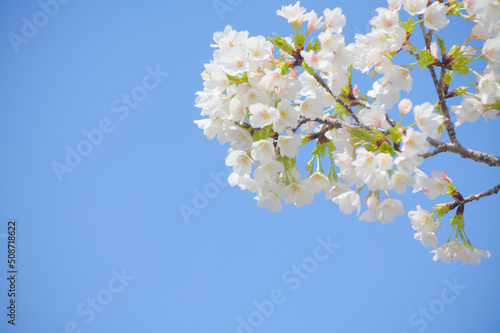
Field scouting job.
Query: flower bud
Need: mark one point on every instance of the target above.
(405, 106)
(372, 201)
(441, 209)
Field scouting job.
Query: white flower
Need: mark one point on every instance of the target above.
(272, 79)
(491, 51)
(337, 78)
(263, 151)
(289, 145)
(319, 61)
(314, 23)
(294, 14)
(415, 143)
(258, 48)
(234, 61)
(240, 161)
(469, 110)
(400, 181)
(404, 165)
(456, 250)
(244, 182)
(436, 185)
(337, 189)
(334, 19)
(386, 19)
(374, 116)
(388, 209)
(435, 16)
(240, 139)
(423, 222)
(419, 178)
(384, 161)
(370, 215)
(414, 7)
(394, 5)
(299, 194)
(348, 202)
(330, 41)
(311, 108)
(400, 78)
(385, 93)
(489, 86)
(318, 182)
(211, 129)
(365, 162)
(236, 110)
(270, 201)
(288, 116)
(378, 180)
(428, 121)
(269, 171)
(262, 115)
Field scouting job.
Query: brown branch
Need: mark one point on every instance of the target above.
(474, 197)
(440, 87)
(329, 123)
(474, 155)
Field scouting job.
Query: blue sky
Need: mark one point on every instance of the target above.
(104, 247)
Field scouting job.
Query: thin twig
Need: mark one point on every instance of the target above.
(337, 99)
(474, 197)
(439, 86)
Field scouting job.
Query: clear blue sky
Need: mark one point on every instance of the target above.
(106, 249)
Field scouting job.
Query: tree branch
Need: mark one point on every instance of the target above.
(439, 86)
(474, 155)
(474, 197)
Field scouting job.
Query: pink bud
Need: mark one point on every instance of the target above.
(434, 50)
(405, 106)
(372, 201)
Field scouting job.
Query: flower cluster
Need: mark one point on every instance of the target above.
(268, 98)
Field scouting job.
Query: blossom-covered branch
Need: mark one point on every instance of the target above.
(270, 97)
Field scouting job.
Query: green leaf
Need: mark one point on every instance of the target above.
(386, 148)
(442, 47)
(409, 26)
(426, 59)
(447, 78)
(281, 43)
(284, 68)
(305, 139)
(316, 47)
(458, 220)
(339, 110)
(308, 69)
(319, 150)
(395, 136)
(260, 135)
(441, 209)
(299, 41)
